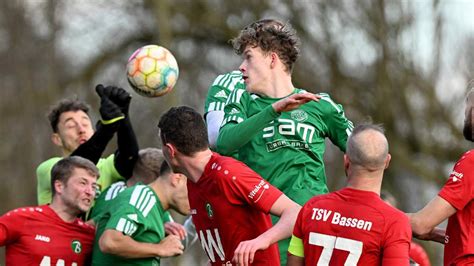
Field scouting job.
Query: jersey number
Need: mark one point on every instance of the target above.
(329, 243)
(46, 261)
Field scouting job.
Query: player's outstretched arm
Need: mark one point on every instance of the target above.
(110, 118)
(424, 221)
(116, 243)
(294, 101)
(288, 211)
(294, 260)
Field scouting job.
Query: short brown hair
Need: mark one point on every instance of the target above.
(65, 105)
(64, 168)
(147, 167)
(185, 128)
(270, 35)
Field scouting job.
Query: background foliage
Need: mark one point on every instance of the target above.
(403, 64)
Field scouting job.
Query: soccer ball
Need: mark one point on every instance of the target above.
(152, 71)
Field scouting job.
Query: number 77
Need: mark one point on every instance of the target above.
(329, 243)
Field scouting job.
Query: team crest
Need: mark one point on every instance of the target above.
(76, 246)
(299, 115)
(209, 211)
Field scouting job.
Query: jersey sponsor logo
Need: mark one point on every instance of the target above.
(43, 238)
(209, 210)
(288, 127)
(299, 115)
(76, 246)
(338, 219)
(456, 176)
(211, 245)
(257, 188)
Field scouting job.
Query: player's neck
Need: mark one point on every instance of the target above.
(365, 183)
(63, 211)
(279, 86)
(193, 166)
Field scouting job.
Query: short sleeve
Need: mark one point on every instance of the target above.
(459, 189)
(11, 224)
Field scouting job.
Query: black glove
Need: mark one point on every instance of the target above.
(118, 96)
(109, 111)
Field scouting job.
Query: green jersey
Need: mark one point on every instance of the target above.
(216, 99)
(287, 149)
(220, 90)
(108, 175)
(103, 202)
(136, 212)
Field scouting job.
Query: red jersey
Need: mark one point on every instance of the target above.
(352, 227)
(230, 204)
(38, 236)
(459, 192)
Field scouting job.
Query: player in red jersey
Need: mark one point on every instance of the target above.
(52, 234)
(230, 203)
(454, 201)
(353, 226)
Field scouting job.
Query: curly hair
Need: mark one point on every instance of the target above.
(63, 106)
(271, 36)
(184, 128)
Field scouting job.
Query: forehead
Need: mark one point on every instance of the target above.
(79, 115)
(81, 173)
(252, 50)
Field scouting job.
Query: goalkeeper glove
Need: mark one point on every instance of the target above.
(109, 111)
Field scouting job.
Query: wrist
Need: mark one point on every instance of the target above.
(113, 120)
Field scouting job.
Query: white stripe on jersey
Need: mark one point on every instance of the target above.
(114, 190)
(216, 106)
(228, 80)
(143, 199)
(235, 96)
(326, 98)
(135, 194)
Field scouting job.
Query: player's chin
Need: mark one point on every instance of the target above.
(85, 205)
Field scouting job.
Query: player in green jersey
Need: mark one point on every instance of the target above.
(73, 133)
(276, 129)
(146, 170)
(131, 232)
(216, 99)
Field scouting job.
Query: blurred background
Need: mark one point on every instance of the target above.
(404, 64)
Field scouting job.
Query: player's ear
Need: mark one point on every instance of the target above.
(347, 162)
(274, 59)
(58, 186)
(387, 160)
(171, 149)
(56, 139)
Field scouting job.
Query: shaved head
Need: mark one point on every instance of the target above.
(367, 147)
